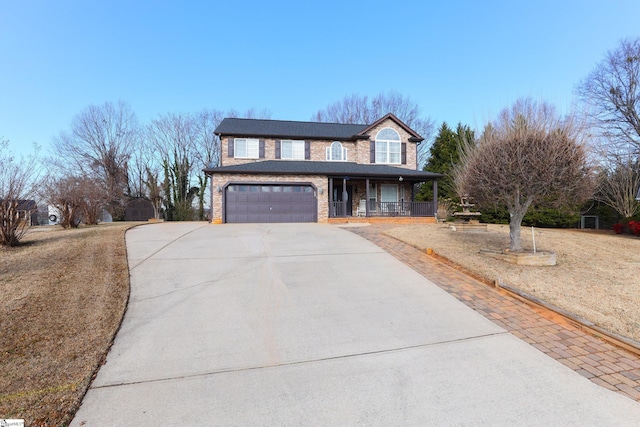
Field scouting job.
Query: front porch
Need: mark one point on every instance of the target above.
(382, 209)
(379, 200)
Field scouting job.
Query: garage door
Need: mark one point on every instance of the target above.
(270, 203)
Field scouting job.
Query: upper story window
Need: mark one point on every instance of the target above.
(292, 150)
(388, 146)
(245, 148)
(337, 152)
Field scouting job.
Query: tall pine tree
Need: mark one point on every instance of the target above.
(443, 154)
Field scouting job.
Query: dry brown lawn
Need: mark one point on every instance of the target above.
(597, 275)
(63, 296)
(64, 293)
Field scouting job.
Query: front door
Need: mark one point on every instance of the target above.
(343, 209)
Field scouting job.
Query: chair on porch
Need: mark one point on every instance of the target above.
(362, 208)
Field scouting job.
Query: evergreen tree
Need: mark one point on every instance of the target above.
(443, 154)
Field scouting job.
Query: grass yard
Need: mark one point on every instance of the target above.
(63, 294)
(597, 275)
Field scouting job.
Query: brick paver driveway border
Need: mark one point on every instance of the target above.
(599, 361)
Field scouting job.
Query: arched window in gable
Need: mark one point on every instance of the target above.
(388, 146)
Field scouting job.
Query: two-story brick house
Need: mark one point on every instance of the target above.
(286, 171)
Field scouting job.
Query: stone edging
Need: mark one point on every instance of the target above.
(579, 322)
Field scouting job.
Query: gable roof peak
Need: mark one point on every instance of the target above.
(415, 137)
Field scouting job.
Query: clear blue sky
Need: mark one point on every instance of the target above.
(462, 61)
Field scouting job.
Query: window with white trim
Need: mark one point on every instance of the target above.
(336, 152)
(292, 150)
(388, 147)
(389, 193)
(245, 148)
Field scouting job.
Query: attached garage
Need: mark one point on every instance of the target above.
(252, 203)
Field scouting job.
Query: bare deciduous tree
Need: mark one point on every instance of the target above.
(99, 144)
(528, 155)
(145, 169)
(154, 190)
(94, 200)
(206, 150)
(611, 96)
(357, 109)
(251, 113)
(79, 199)
(18, 179)
(207, 145)
(65, 195)
(184, 144)
(618, 185)
(173, 138)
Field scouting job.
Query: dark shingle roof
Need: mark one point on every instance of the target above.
(22, 205)
(353, 170)
(289, 129)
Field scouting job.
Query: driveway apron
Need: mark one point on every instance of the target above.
(309, 324)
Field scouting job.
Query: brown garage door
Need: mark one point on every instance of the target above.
(270, 203)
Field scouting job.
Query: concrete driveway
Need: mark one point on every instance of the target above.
(309, 324)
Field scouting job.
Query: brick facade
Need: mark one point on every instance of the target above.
(404, 137)
(357, 151)
(321, 184)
